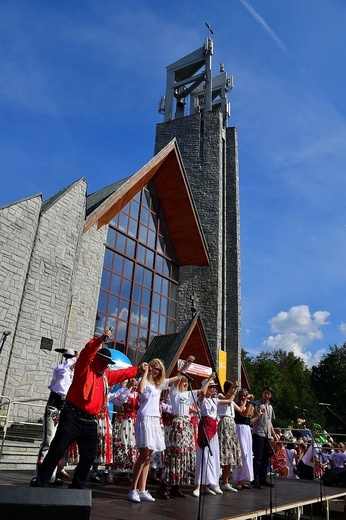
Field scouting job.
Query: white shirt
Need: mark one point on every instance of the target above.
(149, 400)
(225, 410)
(181, 401)
(62, 377)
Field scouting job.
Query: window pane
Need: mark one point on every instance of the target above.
(148, 278)
(111, 234)
(164, 306)
(152, 221)
(144, 318)
(146, 297)
(156, 302)
(172, 309)
(157, 283)
(137, 292)
(130, 247)
(115, 284)
(151, 239)
(121, 331)
(144, 216)
(108, 258)
(159, 263)
(123, 220)
(134, 209)
(135, 314)
(128, 268)
(124, 310)
(133, 335)
(126, 288)
(113, 305)
(164, 289)
(162, 328)
(143, 338)
(142, 234)
(100, 321)
(118, 264)
(166, 267)
(106, 277)
(139, 274)
(102, 304)
(120, 243)
(133, 227)
(171, 327)
(150, 258)
(141, 254)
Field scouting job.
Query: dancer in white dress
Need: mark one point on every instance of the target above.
(149, 433)
(207, 473)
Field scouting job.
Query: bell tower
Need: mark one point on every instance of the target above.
(196, 112)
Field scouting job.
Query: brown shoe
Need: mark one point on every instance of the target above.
(176, 493)
(162, 493)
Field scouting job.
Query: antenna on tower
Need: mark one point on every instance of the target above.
(210, 31)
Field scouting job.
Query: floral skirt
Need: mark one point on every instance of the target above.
(230, 453)
(124, 444)
(180, 453)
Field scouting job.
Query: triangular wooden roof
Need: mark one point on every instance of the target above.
(167, 171)
(190, 341)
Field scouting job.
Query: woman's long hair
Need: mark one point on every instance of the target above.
(156, 378)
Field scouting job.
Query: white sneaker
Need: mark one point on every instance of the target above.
(133, 495)
(216, 490)
(146, 496)
(208, 491)
(195, 493)
(228, 487)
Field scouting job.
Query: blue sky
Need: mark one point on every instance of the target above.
(80, 82)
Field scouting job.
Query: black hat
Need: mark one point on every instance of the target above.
(69, 353)
(105, 355)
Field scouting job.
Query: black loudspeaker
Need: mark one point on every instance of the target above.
(24, 503)
(335, 477)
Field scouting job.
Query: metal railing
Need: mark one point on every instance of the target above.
(9, 409)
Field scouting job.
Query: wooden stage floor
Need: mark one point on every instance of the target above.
(110, 501)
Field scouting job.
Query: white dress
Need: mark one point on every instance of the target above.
(149, 433)
(208, 465)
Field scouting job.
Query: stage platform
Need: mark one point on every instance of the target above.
(289, 498)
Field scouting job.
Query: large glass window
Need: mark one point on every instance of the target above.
(138, 294)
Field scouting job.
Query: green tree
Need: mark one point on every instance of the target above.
(328, 380)
(290, 380)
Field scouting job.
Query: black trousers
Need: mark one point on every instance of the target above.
(70, 428)
(261, 453)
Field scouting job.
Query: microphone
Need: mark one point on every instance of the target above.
(298, 408)
(250, 402)
(187, 376)
(6, 333)
(324, 404)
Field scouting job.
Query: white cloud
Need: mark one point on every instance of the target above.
(342, 328)
(295, 330)
(263, 24)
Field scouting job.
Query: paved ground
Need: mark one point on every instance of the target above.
(109, 501)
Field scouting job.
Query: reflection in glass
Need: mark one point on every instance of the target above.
(102, 304)
(108, 260)
(123, 221)
(137, 292)
(120, 244)
(113, 305)
(148, 278)
(162, 327)
(126, 288)
(135, 311)
(130, 247)
(128, 268)
(111, 234)
(115, 284)
(106, 277)
(144, 318)
(118, 264)
(133, 336)
(121, 331)
(155, 305)
(146, 297)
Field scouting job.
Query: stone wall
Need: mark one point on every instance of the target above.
(45, 304)
(18, 226)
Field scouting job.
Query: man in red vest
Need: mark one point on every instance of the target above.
(85, 399)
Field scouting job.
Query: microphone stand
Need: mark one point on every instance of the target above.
(205, 444)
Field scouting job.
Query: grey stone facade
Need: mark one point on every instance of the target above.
(210, 156)
(50, 236)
